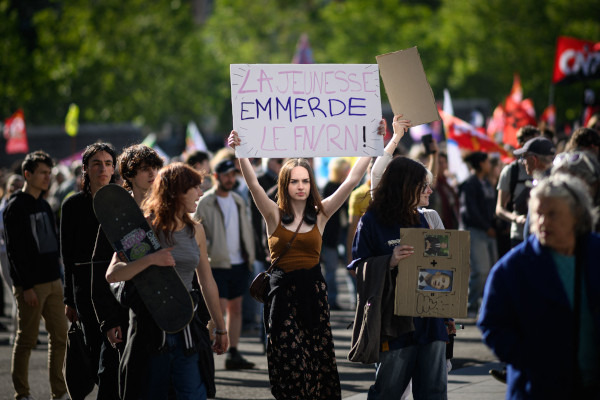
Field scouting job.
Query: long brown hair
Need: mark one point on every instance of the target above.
(164, 204)
(396, 197)
(313, 201)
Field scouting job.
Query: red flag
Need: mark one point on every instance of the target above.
(588, 112)
(468, 137)
(496, 123)
(549, 116)
(518, 113)
(303, 53)
(15, 135)
(575, 60)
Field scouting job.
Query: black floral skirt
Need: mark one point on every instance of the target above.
(300, 350)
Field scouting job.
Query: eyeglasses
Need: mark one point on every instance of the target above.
(524, 157)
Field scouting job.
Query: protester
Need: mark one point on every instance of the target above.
(300, 349)
(477, 204)
(551, 278)
(153, 360)
(139, 165)
(86, 253)
(33, 253)
(14, 183)
(226, 221)
(200, 161)
(446, 194)
(408, 347)
(584, 139)
(513, 190)
(537, 156)
(585, 166)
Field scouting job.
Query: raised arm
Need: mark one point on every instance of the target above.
(400, 127)
(267, 207)
(335, 201)
(210, 292)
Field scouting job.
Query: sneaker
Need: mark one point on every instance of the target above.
(499, 374)
(236, 361)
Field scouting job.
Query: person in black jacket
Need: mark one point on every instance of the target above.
(32, 249)
(477, 208)
(86, 254)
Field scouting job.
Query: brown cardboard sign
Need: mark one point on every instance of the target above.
(434, 281)
(407, 87)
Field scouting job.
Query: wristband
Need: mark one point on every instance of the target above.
(221, 331)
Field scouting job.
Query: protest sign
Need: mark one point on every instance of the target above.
(406, 86)
(434, 281)
(306, 110)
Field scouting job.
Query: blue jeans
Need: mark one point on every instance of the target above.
(424, 363)
(173, 366)
(329, 258)
(484, 254)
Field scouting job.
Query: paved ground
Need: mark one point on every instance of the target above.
(468, 380)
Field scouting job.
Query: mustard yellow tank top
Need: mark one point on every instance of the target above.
(305, 250)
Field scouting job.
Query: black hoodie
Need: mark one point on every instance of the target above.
(31, 241)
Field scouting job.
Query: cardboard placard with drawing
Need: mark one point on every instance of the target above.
(434, 281)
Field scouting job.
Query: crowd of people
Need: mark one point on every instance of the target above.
(221, 219)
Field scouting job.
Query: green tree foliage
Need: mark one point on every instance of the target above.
(149, 62)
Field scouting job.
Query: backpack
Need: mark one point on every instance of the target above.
(518, 203)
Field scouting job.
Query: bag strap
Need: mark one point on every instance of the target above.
(287, 247)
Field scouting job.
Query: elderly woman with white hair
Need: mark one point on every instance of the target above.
(541, 305)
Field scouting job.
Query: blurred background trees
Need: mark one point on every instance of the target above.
(166, 62)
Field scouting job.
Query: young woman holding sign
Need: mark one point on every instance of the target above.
(411, 348)
(300, 349)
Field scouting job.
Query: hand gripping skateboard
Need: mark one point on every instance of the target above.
(160, 288)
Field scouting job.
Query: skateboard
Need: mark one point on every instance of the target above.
(160, 288)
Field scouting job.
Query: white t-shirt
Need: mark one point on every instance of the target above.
(232, 228)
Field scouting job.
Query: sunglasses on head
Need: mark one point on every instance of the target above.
(573, 159)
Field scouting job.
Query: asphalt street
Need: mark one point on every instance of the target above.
(468, 380)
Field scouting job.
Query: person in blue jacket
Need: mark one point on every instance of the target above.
(419, 354)
(541, 306)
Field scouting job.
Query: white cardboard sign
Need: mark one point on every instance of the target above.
(306, 110)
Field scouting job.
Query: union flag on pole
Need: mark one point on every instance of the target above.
(468, 137)
(15, 135)
(575, 60)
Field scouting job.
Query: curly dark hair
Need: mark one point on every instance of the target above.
(313, 201)
(135, 157)
(163, 206)
(396, 197)
(89, 153)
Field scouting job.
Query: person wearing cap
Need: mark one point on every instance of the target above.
(537, 156)
(513, 190)
(477, 199)
(230, 246)
(541, 305)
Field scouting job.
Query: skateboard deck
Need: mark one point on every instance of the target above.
(160, 288)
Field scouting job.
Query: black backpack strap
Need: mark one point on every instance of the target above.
(514, 179)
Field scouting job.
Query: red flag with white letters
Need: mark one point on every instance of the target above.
(15, 135)
(575, 60)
